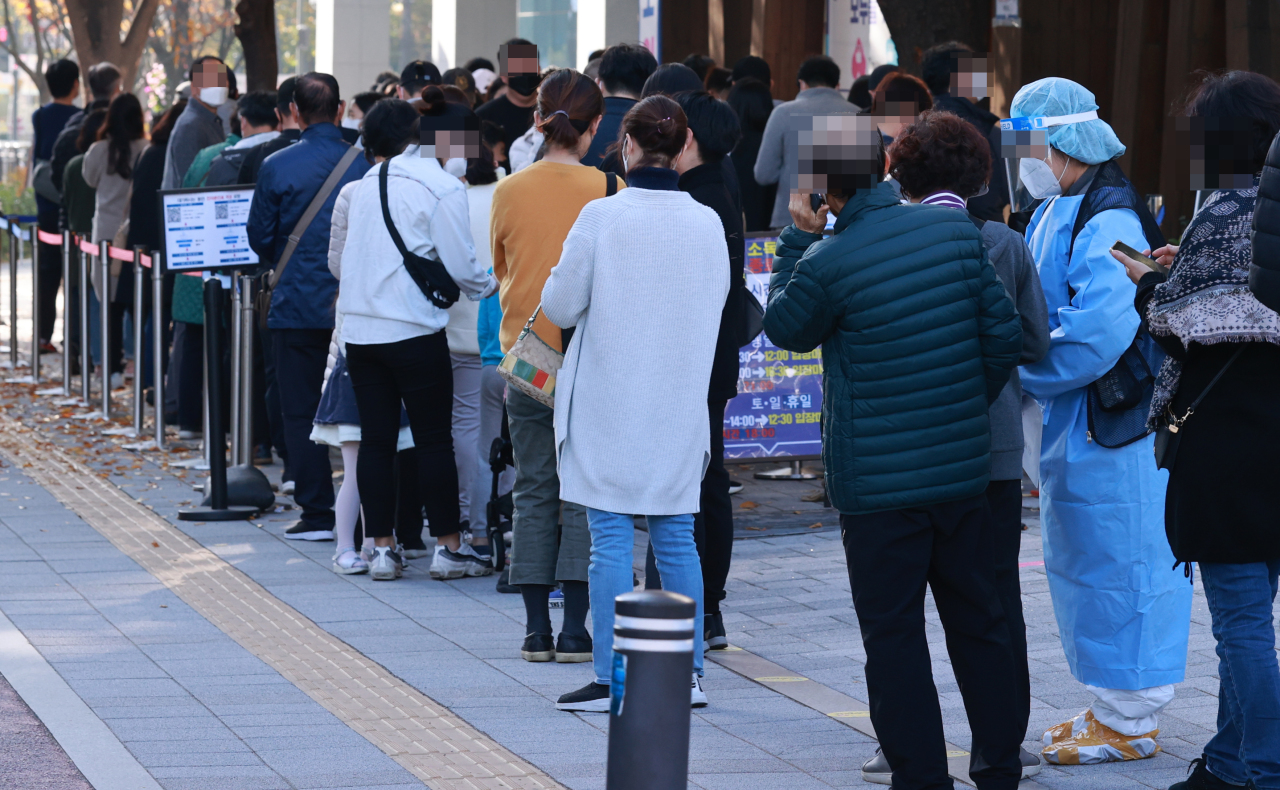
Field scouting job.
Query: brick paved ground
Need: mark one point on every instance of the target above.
(199, 708)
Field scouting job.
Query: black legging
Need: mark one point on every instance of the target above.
(418, 373)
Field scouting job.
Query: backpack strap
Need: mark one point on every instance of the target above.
(611, 187)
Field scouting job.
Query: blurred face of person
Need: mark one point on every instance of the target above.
(210, 83)
(972, 78)
(519, 65)
(896, 117)
(353, 117)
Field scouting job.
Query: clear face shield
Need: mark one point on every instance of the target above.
(1032, 169)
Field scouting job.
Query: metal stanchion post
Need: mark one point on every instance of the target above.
(104, 324)
(236, 414)
(33, 246)
(13, 296)
(67, 309)
(86, 358)
(157, 344)
(649, 694)
(139, 385)
(246, 376)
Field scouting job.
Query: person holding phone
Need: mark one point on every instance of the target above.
(1224, 357)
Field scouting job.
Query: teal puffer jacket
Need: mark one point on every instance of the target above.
(918, 337)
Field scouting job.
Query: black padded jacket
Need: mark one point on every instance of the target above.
(1264, 272)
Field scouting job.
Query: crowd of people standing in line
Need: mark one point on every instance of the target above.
(434, 240)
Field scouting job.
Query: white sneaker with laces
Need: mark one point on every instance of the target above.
(477, 564)
(446, 564)
(386, 564)
(697, 696)
(349, 562)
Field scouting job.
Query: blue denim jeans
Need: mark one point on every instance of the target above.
(610, 574)
(1240, 600)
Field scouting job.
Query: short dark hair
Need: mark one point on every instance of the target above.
(938, 63)
(366, 100)
(316, 96)
(670, 79)
(195, 65)
(418, 75)
(258, 108)
(1245, 109)
(700, 64)
(940, 151)
(718, 79)
(284, 95)
(625, 67)
(819, 70)
(753, 66)
(61, 77)
(860, 92)
(103, 79)
(479, 63)
(751, 100)
(714, 124)
(879, 73)
(389, 128)
(596, 54)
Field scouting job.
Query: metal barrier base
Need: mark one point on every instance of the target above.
(792, 472)
(230, 513)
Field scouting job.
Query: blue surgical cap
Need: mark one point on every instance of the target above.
(1092, 142)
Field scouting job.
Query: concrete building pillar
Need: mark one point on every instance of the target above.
(465, 29)
(602, 23)
(353, 40)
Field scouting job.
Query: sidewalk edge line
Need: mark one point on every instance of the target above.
(105, 762)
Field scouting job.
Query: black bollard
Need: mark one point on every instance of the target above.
(649, 710)
(218, 509)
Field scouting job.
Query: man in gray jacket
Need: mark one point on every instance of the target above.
(778, 160)
(199, 125)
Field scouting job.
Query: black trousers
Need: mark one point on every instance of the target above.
(1005, 500)
(892, 556)
(274, 415)
(300, 360)
(416, 372)
(49, 259)
(188, 341)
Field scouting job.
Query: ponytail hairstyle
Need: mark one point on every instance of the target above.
(568, 103)
(659, 128)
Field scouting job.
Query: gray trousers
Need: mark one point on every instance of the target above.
(543, 551)
(493, 390)
(466, 432)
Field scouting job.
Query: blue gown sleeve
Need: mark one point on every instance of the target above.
(1099, 322)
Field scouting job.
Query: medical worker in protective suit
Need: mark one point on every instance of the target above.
(1123, 612)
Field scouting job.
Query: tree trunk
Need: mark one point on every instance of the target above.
(95, 26)
(917, 25)
(257, 33)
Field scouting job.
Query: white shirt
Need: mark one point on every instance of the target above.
(380, 301)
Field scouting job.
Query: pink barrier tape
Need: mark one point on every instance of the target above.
(120, 255)
(49, 238)
(145, 261)
(88, 247)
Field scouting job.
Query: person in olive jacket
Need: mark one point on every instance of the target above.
(918, 338)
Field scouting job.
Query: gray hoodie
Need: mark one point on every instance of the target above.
(1008, 253)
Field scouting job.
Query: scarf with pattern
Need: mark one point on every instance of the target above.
(1207, 298)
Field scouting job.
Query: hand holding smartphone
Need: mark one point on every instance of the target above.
(1130, 252)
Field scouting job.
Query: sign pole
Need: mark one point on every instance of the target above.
(86, 357)
(236, 408)
(32, 246)
(139, 347)
(104, 323)
(157, 344)
(68, 310)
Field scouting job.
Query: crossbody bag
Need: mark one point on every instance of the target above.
(1170, 431)
(262, 302)
(429, 274)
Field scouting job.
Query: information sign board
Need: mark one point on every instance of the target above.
(204, 228)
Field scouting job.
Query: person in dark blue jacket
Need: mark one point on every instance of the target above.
(301, 315)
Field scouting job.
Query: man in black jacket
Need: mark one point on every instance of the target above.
(958, 78)
(289, 134)
(713, 133)
(621, 77)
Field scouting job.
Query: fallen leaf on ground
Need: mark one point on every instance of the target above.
(815, 526)
(748, 505)
(756, 529)
(155, 545)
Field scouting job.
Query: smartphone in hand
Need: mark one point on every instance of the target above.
(1150, 263)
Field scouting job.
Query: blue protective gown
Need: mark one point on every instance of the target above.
(1123, 611)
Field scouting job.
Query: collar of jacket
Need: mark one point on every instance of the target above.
(864, 200)
(660, 178)
(965, 108)
(702, 175)
(618, 105)
(322, 130)
(821, 90)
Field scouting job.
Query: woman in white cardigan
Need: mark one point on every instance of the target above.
(643, 276)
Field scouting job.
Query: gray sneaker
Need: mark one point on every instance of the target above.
(386, 564)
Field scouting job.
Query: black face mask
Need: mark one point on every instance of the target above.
(524, 84)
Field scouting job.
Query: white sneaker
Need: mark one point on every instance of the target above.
(734, 487)
(698, 696)
(477, 564)
(117, 380)
(287, 488)
(349, 562)
(448, 564)
(386, 564)
(186, 435)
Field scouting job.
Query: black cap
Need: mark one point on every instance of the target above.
(420, 71)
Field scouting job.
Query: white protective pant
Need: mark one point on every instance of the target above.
(1131, 712)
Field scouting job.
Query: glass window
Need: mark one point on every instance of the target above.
(553, 26)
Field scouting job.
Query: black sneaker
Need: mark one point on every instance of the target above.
(573, 649)
(504, 583)
(304, 531)
(1031, 763)
(1201, 779)
(538, 648)
(713, 632)
(591, 698)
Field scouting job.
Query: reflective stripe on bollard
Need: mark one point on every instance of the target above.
(649, 709)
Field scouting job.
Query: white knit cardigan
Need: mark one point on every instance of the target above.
(643, 276)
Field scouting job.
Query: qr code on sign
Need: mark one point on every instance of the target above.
(174, 214)
(220, 211)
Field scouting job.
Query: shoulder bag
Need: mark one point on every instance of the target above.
(262, 303)
(531, 365)
(1169, 433)
(430, 275)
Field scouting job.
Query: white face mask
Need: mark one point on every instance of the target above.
(456, 167)
(215, 96)
(351, 123)
(1037, 176)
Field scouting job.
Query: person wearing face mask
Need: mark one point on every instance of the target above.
(1123, 611)
(531, 214)
(513, 111)
(200, 125)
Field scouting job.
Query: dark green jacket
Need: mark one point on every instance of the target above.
(918, 337)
